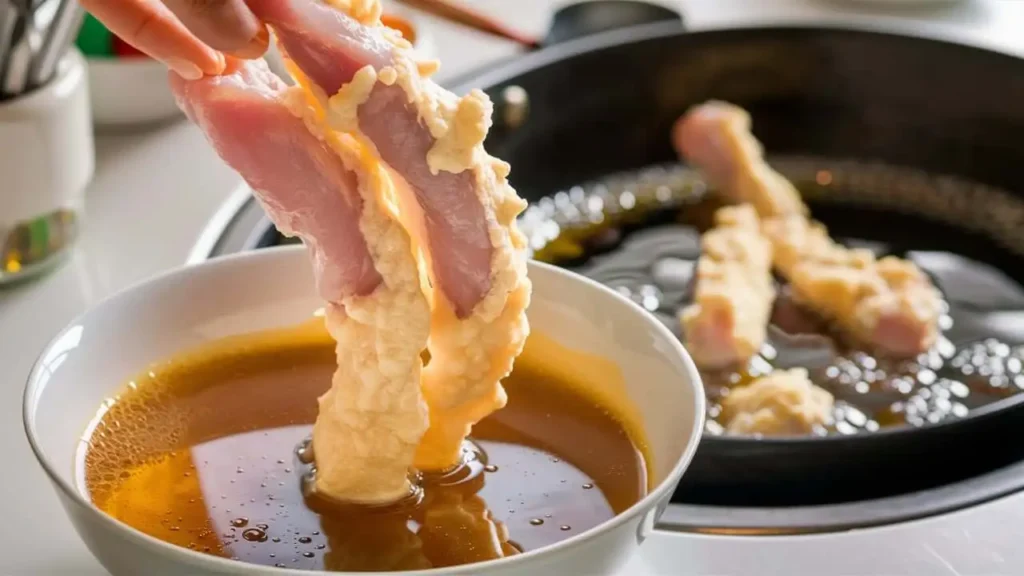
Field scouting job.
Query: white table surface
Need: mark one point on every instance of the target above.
(155, 188)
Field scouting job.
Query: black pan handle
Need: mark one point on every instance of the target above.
(587, 18)
(595, 16)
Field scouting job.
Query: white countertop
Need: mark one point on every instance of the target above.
(155, 188)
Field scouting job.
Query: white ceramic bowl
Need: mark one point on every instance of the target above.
(96, 353)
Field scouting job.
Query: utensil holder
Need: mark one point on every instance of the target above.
(47, 159)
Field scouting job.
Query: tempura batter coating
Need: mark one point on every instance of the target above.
(715, 136)
(726, 324)
(454, 198)
(783, 403)
(315, 185)
(888, 303)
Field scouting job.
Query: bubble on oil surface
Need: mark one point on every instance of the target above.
(254, 535)
(136, 429)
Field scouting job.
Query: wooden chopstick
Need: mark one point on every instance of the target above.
(447, 10)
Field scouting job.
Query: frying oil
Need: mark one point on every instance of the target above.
(208, 452)
(649, 255)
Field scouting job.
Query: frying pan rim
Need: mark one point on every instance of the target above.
(500, 74)
(497, 73)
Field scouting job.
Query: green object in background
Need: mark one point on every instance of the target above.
(94, 39)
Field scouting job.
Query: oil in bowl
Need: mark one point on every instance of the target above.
(201, 451)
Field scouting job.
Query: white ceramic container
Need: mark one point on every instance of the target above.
(95, 354)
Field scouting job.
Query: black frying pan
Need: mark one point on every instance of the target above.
(948, 114)
(606, 103)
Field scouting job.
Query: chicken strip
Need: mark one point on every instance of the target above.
(454, 197)
(783, 403)
(716, 138)
(888, 304)
(727, 321)
(315, 186)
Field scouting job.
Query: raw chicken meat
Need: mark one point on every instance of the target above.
(454, 199)
(783, 403)
(727, 321)
(887, 303)
(314, 185)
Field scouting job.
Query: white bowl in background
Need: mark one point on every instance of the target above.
(91, 358)
(129, 91)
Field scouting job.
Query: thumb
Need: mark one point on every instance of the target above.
(225, 25)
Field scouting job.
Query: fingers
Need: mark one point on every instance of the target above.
(225, 25)
(152, 28)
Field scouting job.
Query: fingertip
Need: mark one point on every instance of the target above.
(256, 47)
(222, 63)
(232, 64)
(210, 61)
(186, 69)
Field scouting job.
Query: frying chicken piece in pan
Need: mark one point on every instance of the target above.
(725, 326)
(716, 138)
(888, 303)
(784, 402)
(454, 199)
(319, 186)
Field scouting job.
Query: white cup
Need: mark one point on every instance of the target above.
(47, 159)
(90, 359)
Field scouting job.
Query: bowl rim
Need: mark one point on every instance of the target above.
(648, 504)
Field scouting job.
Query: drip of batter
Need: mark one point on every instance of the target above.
(455, 200)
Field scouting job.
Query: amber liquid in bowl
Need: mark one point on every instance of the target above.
(200, 451)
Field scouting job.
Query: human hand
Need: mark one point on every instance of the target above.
(189, 36)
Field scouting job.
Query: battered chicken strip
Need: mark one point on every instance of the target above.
(888, 303)
(726, 323)
(716, 138)
(783, 403)
(454, 198)
(315, 186)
